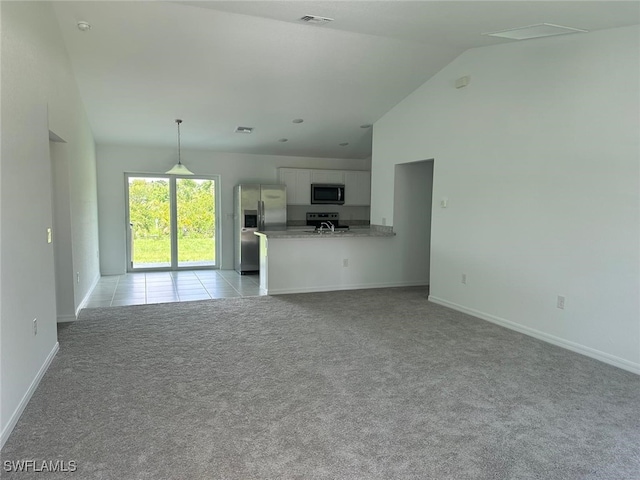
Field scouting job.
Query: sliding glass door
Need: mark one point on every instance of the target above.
(195, 208)
(171, 222)
(149, 222)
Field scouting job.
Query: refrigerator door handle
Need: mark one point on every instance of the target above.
(261, 214)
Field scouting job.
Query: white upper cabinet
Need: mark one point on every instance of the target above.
(299, 180)
(327, 176)
(357, 188)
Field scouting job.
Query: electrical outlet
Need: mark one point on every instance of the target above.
(560, 303)
(464, 279)
(35, 326)
(49, 239)
(345, 262)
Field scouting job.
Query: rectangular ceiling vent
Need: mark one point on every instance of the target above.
(316, 19)
(244, 129)
(534, 31)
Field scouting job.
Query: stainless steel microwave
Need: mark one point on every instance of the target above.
(327, 193)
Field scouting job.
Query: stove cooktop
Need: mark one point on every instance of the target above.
(315, 219)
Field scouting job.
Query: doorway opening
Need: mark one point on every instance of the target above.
(171, 222)
(413, 192)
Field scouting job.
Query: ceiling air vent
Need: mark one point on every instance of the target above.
(244, 129)
(315, 19)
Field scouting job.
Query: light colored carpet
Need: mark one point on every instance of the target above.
(369, 384)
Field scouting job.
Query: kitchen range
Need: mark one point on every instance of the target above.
(328, 220)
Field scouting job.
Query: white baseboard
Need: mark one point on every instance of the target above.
(84, 301)
(335, 288)
(560, 342)
(66, 318)
(4, 436)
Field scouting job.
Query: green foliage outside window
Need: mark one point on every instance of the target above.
(149, 213)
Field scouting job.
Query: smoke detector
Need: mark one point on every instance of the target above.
(316, 19)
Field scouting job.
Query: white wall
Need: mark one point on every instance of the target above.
(538, 158)
(62, 247)
(75, 207)
(38, 94)
(114, 161)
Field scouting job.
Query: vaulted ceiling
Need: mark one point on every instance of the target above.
(220, 65)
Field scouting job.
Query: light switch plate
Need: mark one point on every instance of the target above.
(49, 235)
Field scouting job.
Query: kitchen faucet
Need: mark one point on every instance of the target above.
(327, 224)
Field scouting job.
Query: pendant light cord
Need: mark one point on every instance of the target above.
(179, 168)
(178, 121)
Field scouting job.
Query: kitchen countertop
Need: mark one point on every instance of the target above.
(310, 233)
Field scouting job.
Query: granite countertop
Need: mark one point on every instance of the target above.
(309, 232)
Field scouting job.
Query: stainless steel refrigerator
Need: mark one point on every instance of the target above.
(257, 207)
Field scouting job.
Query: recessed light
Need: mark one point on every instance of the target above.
(366, 125)
(244, 129)
(83, 26)
(344, 144)
(298, 120)
(283, 140)
(534, 31)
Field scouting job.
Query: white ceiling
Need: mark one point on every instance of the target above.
(219, 65)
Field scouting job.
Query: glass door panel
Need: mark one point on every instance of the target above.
(149, 222)
(195, 213)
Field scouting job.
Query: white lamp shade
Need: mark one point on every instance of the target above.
(179, 169)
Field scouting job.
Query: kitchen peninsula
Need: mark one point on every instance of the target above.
(303, 260)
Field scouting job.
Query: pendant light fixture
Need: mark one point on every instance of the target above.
(179, 168)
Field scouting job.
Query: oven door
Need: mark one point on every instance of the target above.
(327, 194)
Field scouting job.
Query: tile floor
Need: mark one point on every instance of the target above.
(177, 286)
